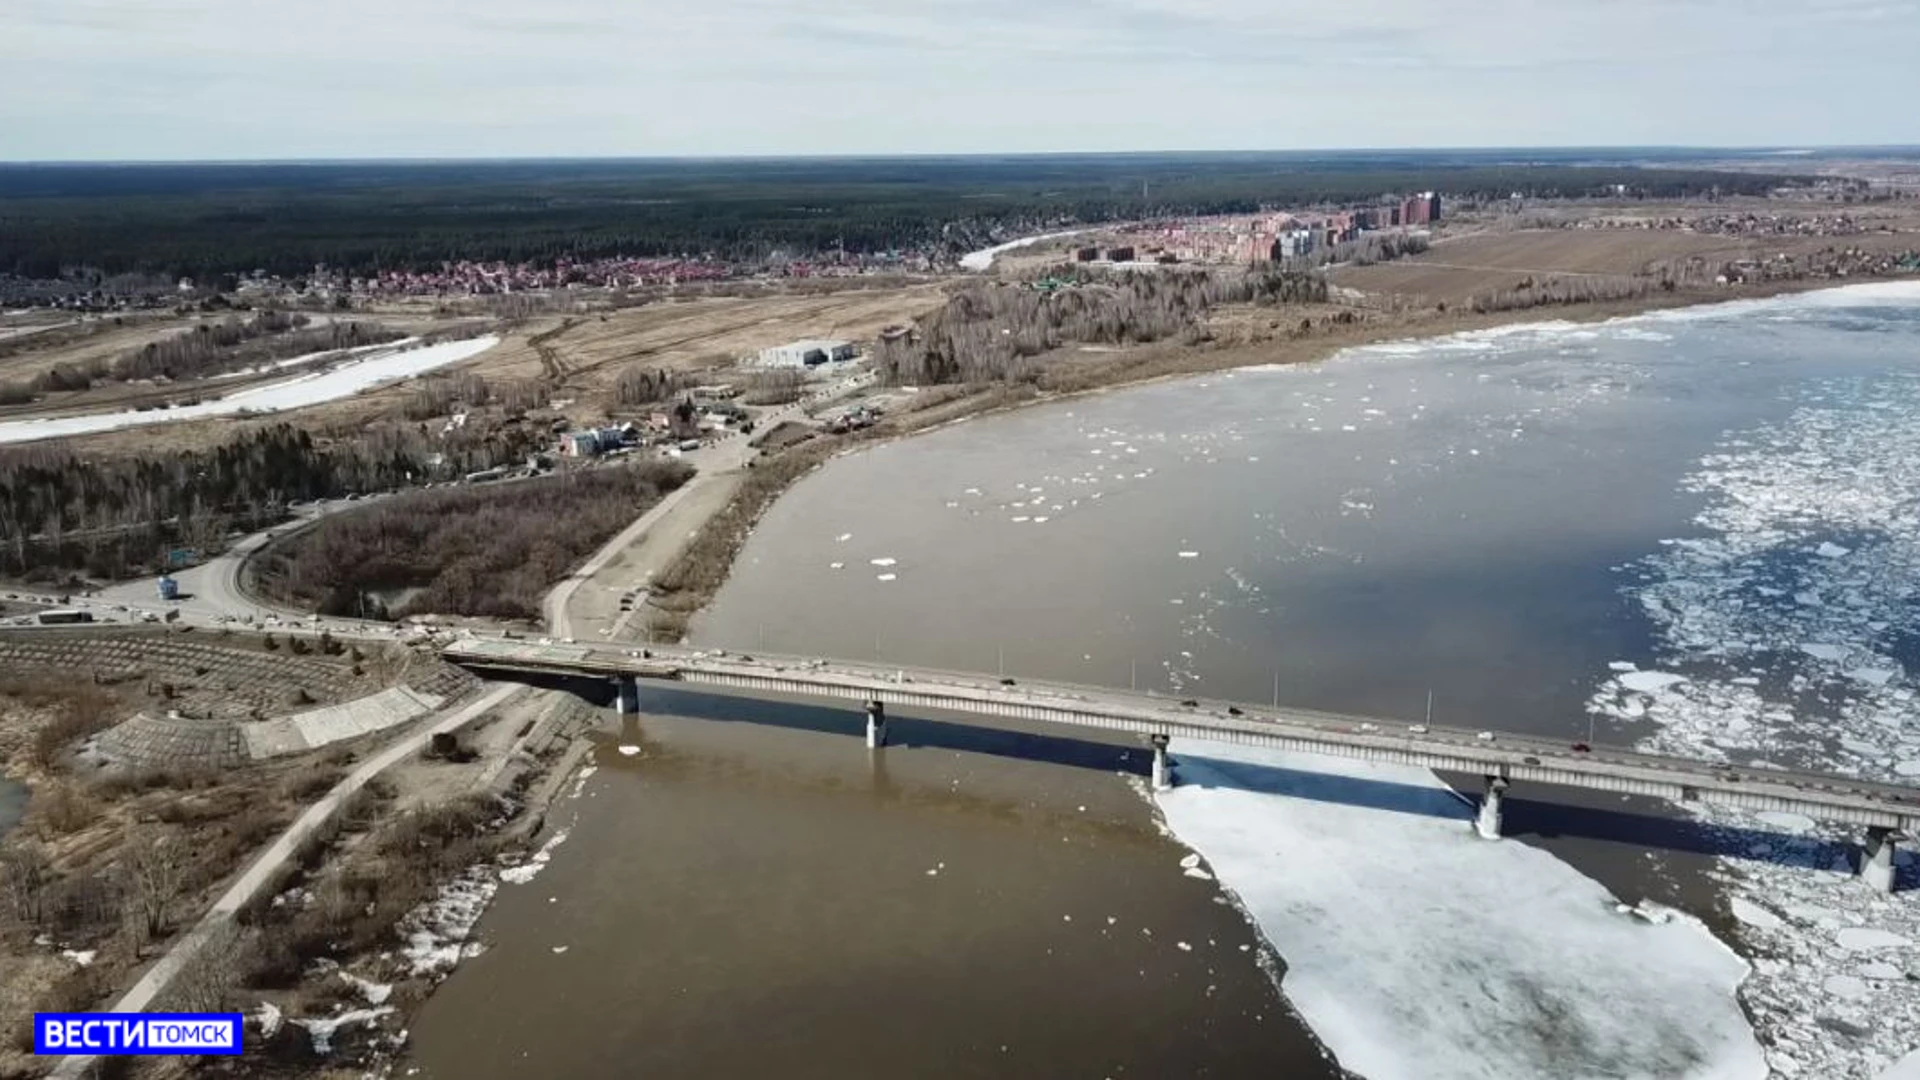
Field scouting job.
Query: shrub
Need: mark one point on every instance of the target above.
(486, 551)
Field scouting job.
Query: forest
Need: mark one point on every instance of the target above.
(490, 550)
(203, 221)
(61, 513)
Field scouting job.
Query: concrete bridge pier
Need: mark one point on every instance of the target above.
(1877, 865)
(1162, 764)
(1488, 822)
(626, 695)
(876, 725)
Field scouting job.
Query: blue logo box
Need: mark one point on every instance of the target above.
(106, 1034)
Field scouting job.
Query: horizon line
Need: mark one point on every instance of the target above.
(1782, 149)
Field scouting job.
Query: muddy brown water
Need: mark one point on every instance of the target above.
(755, 893)
(752, 892)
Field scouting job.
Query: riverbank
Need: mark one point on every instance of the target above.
(1242, 337)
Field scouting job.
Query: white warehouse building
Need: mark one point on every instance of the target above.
(806, 353)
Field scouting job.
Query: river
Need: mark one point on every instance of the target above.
(748, 892)
(1694, 530)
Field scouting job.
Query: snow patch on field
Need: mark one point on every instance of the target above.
(1417, 951)
(344, 380)
(438, 932)
(375, 993)
(527, 871)
(321, 1030)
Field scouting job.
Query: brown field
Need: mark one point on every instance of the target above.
(682, 335)
(1456, 268)
(587, 353)
(578, 356)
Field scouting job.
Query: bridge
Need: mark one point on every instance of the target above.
(1888, 812)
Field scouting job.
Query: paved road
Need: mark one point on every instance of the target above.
(212, 593)
(1510, 756)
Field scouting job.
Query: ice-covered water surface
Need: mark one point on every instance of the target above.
(983, 259)
(1447, 516)
(1418, 951)
(1790, 619)
(347, 379)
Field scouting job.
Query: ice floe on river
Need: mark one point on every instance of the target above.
(1417, 951)
(1791, 620)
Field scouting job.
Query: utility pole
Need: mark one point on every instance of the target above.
(1276, 689)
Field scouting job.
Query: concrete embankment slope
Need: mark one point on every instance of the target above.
(219, 920)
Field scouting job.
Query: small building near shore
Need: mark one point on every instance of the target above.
(592, 442)
(806, 353)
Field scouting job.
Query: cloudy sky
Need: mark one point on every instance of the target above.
(227, 79)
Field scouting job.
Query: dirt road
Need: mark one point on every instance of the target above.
(587, 604)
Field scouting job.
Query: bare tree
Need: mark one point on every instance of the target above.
(155, 861)
(207, 980)
(25, 874)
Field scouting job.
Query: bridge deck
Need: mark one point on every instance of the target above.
(1818, 795)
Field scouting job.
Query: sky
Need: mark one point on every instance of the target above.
(264, 79)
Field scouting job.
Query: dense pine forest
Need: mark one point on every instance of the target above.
(202, 221)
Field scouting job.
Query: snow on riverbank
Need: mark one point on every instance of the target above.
(1417, 951)
(313, 388)
(1791, 616)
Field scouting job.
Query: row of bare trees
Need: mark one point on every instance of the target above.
(1557, 290)
(207, 349)
(643, 385)
(113, 516)
(440, 395)
(155, 867)
(994, 332)
(484, 551)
